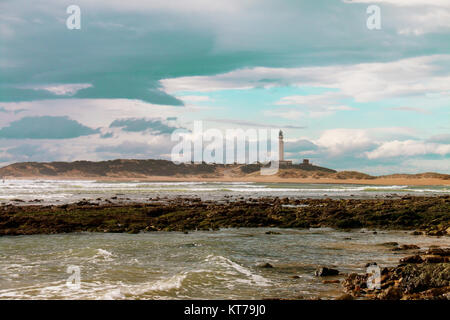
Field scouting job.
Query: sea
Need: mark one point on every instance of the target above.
(224, 264)
(65, 191)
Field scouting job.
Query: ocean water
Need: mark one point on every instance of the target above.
(54, 191)
(199, 265)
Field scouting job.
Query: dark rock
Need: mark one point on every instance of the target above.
(325, 272)
(345, 297)
(412, 259)
(443, 252)
(265, 265)
(391, 293)
(330, 281)
(370, 264)
(435, 259)
(404, 247)
(389, 244)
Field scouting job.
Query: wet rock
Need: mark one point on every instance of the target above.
(435, 259)
(265, 266)
(272, 232)
(325, 272)
(404, 247)
(391, 293)
(389, 244)
(406, 281)
(370, 264)
(412, 259)
(183, 214)
(330, 281)
(444, 252)
(436, 233)
(345, 297)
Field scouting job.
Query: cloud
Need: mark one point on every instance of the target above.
(140, 125)
(62, 89)
(97, 112)
(254, 124)
(45, 127)
(315, 105)
(300, 146)
(415, 17)
(364, 82)
(195, 98)
(339, 141)
(26, 151)
(405, 3)
(285, 113)
(407, 148)
(440, 138)
(411, 109)
(154, 147)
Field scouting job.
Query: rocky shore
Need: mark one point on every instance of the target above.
(422, 215)
(422, 276)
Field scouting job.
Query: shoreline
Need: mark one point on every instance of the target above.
(420, 274)
(256, 179)
(425, 215)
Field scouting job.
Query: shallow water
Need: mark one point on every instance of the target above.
(63, 191)
(199, 265)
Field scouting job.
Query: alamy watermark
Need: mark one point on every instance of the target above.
(374, 277)
(74, 20)
(374, 19)
(74, 280)
(261, 146)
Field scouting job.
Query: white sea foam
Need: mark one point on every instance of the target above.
(227, 263)
(73, 190)
(166, 284)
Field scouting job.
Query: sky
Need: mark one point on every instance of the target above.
(346, 96)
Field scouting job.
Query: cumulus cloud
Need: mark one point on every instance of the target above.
(440, 138)
(411, 109)
(96, 112)
(365, 82)
(339, 141)
(415, 17)
(315, 105)
(405, 3)
(156, 147)
(62, 89)
(246, 123)
(139, 125)
(300, 146)
(407, 148)
(194, 99)
(45, 127)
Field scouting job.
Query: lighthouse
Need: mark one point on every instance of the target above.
(281, 160)
(280, 147)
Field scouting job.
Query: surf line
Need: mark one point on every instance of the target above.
(212, 311)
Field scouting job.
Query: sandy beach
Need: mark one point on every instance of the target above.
(272, 179)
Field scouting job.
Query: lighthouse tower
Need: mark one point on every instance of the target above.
(281, 160)
(280, 147)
